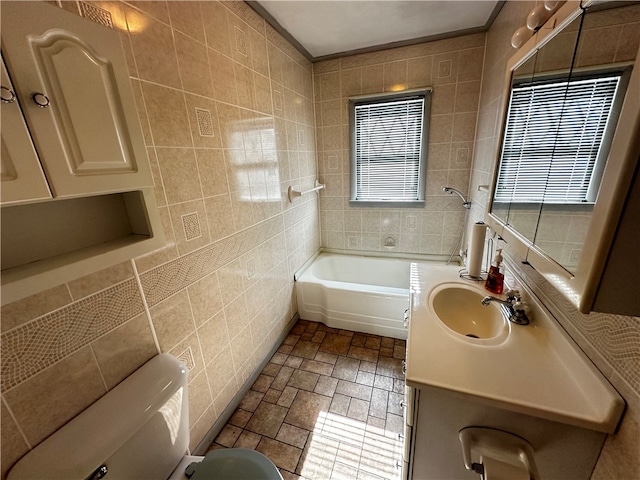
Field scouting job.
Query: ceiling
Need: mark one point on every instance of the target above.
(326, 29)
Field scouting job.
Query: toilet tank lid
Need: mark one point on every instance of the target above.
(78, 448)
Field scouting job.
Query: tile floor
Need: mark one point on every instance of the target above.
(326, 406)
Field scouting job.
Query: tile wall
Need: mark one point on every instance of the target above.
(226, 106)
(611, 341)
(453, 67)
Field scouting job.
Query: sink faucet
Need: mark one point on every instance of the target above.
(513, 306)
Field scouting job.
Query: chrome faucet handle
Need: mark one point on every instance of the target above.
(513, 295)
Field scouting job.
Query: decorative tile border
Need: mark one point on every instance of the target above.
(163, 281)
(36, 345)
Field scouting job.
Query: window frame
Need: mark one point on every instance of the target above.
(424, 93)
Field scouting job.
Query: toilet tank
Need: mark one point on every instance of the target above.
(138, 430)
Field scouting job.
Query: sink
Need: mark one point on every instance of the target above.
(459, 308)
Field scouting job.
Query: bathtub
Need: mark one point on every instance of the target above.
(363, 294)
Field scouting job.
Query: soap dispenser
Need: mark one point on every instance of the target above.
(495, 278)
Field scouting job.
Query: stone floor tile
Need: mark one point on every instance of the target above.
(251, 400)
(346, 369)
(378, 406)
(287, 397)
(365, 378)
(298, 328)
(387, 342)
(271, 369)
(306, 336)
(375, 424)
(369, 367)
(271, 396)
(291, 339)
(394, 423)
(362, 353)
(373, 342)
(306, 408)
(282, 378)
(395, 401)
(346, 333)
(326, 386)
(399, 352)
(386, 352)
(285, 349)
(288, 475)
(326, 357)
(262, 383)
(279, 358)
(349, 454)
(240, 418)
(343, 472)
(339, 404)
(358, 340)
(228, 436)
(293, 362)
(398, 385)
(267, 419)
(248, 440)
(335, 344)
(303, 380)
(283, 455)
(293, 435)
(363, 392)
(385, 383)
(390, 367)
(316, 367)
(318, 337)
(358, 409)
(312, 327)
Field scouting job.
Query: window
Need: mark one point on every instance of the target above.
(388, 148)
(557, 138)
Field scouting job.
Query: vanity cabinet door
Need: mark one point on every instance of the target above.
(71, 79)
(21, 174)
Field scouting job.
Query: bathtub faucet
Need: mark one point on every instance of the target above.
(465, 203)
(513, 306)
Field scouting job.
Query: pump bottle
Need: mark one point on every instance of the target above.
(495, 278)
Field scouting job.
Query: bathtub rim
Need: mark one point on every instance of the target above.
(417, 257)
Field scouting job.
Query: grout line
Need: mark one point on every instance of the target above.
(13, 417)
(145, 305)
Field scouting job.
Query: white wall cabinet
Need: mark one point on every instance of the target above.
(77, 189)
(70, 79)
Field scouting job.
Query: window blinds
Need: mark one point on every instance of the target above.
(553, 138)
(388, 149)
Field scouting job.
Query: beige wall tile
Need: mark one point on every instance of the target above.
(172, 320)
(212, 171)
(187, 18)
(216, 27)
(205, 298)
(202, 426)
(395, 76)
(14, 445)
(223, 77)
(95, 282)
(124, 350)
(156, 42)
(194, 65)
(213, 336)
(189, 352)
(199, 397)
(167, 116)
(220, 371)
(48, 400)
(180, 177)
(219, 216)
(155, 8)
(21, 311)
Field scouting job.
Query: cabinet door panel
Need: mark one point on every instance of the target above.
(21, 174)
(88, 138)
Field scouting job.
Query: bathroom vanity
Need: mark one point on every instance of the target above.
(530, 381)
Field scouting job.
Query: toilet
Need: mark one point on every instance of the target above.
(138, 430)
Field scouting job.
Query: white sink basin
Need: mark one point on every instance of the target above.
(460, 310)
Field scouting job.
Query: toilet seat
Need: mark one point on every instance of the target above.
(227, 464)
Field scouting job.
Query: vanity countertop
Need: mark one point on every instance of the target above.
(538, 370)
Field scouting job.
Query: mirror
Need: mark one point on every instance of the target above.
(566, 92)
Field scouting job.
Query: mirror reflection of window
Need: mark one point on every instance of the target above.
(563, 110)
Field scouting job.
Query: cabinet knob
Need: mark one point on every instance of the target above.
(41, 99)
(7, 95)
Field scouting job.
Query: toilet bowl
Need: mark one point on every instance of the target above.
(227, 464)
(138, 430)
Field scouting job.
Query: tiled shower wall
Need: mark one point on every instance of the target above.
(453, 67)
(227, 114)
(611, 341)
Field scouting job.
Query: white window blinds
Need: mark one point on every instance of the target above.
(387, 150)
(553, 139)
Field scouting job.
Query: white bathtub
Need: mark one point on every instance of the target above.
(363, 294)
